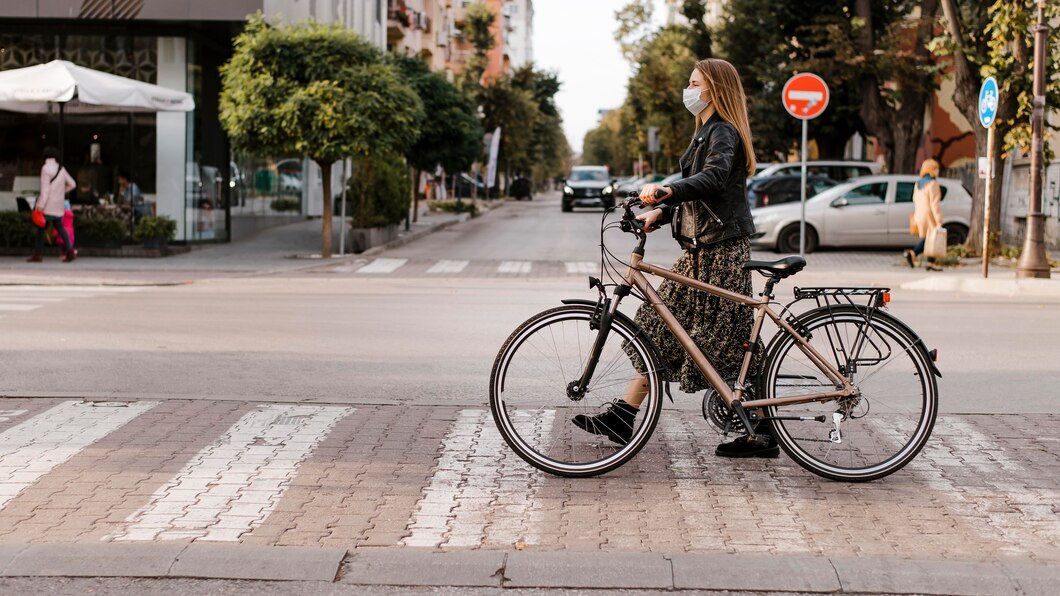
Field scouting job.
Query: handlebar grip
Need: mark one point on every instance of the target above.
(660, 194)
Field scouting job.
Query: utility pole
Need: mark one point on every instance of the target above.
(1033, 262)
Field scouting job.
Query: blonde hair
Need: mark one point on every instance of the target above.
(930, 167)
(730, 103)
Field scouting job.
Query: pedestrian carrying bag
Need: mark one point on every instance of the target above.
(913, 230)
(935, 245)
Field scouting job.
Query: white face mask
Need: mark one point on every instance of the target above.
(693, 102)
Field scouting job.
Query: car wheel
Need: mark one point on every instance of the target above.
(788, 240)
(567, 207)
(955, 234)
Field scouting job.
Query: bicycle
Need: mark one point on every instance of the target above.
(823, 373)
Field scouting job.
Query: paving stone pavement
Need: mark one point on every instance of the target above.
(440, 478)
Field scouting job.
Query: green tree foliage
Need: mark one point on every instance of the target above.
(768, 41)
(996, 39)
(315, 90)
(550, 152)
(515, 111)
(660, 74)
(450, 134)
(477, 24)
(605, 145)
(699, 36)
(634, 26)
(878, 50)
(382, 185)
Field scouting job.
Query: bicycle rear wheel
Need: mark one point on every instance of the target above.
(530, 402)
(883, 427)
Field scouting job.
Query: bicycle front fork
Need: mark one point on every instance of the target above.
(601, 321)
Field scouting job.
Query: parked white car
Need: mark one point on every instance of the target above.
(872, 211)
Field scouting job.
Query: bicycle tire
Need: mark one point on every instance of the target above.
(883, 428)
(528, 395)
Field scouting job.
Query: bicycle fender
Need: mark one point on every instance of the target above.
(631, 323)
(917, 340)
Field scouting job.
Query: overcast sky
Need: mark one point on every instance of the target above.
(576, 39)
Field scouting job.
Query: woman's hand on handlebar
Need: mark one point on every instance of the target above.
(650, 220)
(647, 194)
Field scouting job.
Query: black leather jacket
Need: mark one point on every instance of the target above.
(709, 204)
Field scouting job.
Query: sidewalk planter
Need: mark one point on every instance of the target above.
(361, 239)
(17, 230)
(99, 230)
(155, 232)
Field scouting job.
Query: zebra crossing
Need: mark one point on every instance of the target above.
(22, 299)
(402, 267)
(442, 477)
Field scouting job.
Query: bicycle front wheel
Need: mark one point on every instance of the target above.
(533, 409)
(871, 434)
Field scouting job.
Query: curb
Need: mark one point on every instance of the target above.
(413, 236)
(996, 287)
(411, 567)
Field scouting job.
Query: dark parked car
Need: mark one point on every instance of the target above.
(520, 189)
(762, 192)
(463, 186)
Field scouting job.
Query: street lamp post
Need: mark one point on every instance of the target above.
(1033, 262)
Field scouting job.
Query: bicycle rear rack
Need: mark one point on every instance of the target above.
(836, 296)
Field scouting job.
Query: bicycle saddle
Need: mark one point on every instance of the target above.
(783, 268)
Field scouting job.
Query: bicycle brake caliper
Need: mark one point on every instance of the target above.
(834, 435)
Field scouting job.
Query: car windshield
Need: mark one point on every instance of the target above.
(588, 176)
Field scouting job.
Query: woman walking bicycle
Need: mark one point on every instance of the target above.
(708, 213)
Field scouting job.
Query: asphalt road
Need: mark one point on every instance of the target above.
(337, 335)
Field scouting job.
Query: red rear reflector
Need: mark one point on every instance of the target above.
(886, 297)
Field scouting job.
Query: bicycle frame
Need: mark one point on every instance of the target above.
(635, 278)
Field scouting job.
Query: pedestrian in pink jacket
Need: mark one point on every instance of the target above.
(55, 182)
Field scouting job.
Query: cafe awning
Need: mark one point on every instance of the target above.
(35, 89)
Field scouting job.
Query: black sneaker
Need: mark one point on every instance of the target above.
(763, 446)
(615, 424)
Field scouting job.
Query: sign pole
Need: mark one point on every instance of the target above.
(802, 195)
(805, 97)
(986, 202)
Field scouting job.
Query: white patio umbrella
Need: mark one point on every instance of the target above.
(78, 89)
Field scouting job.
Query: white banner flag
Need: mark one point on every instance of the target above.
(491, 167)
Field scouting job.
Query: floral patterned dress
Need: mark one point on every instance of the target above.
(718, 327)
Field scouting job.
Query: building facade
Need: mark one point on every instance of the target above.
(182, 162)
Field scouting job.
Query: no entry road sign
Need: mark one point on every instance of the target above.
(805, 96)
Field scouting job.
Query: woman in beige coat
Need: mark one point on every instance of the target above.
(927, 212)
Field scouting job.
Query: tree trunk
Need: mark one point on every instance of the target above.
(325, 241)
(899, 131)
(415, 195)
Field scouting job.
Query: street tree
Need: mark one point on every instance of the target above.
(550, 151)
(477, 26)
(517, 114)
(880, 49)
(768, 41)
(995, 39)
(315, 90)
(450, 134)
(699, 35)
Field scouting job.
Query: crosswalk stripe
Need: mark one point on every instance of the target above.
(468, 479)
(6, 415)
(448, 267)
(383, 266)
(35, 447)
(233, 484)
(581, 267)
(517, 267)
(19, 307)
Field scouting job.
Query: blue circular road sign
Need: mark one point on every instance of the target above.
(988, 98)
